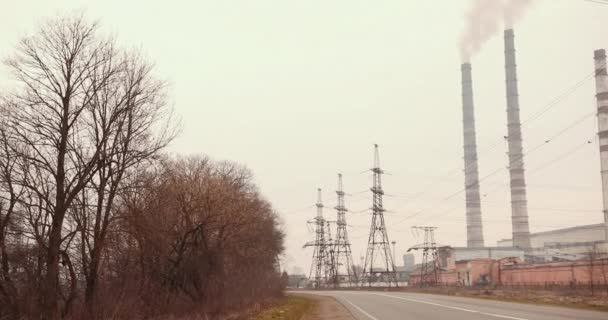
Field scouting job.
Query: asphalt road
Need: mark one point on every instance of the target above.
(374, 305)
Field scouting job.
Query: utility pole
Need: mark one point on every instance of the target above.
(318, 268)
(429, 272)
(342, 251)
(378, 243)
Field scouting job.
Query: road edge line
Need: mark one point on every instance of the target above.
(361, 310)
(450, 307)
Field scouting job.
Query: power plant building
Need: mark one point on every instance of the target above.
(579, 241)
(465, 253)
(564, 244)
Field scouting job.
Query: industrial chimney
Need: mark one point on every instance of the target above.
(519, 203)
(601, 88)
(471, 175)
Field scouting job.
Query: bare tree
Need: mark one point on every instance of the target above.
(10, 195)
(127, 113)
(84, 112)
(89, 205)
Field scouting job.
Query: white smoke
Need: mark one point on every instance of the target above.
(514, 10)
(484, 20)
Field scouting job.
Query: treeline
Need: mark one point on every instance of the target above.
(95, 221)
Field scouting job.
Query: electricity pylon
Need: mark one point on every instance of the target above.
(378, 244)
(330, 257)
(343, 259)
(430, 264)
(320, 258)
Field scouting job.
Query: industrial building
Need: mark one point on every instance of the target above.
(446, 254)
(564, 256)
(564, 244)
(578, 241)
(512, 272)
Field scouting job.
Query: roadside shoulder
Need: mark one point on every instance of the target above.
(290, 307)
(325, 308)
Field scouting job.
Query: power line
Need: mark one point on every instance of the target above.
(558, 158)
(550, 162)
(533, 149)
(298, 210)
(597, 2)
(558, 99)
(497, 221)
(550, 105)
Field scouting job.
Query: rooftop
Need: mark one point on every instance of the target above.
(557, 231)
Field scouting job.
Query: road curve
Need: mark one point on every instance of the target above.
(375, 305)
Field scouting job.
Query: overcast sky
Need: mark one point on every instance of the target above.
(301, 90)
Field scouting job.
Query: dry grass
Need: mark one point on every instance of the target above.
(287, 308)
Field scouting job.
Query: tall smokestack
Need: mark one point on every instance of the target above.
(601, 88)
(519, 203)
(471, 175)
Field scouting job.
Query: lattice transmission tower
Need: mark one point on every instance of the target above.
(430, 264)
(343, 259)
(330, 255)
(378, 245)
(319, 266)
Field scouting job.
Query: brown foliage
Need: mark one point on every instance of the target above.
(201, 233)
(92, 224)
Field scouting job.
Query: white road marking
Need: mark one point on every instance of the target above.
(450, 307)
(361, 310)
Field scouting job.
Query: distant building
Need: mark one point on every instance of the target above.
(585, 233)
(564, 244)
(512, 271)
(569, 256)
(465, 273)
(409, 260)
(469, 266)
(449, 255)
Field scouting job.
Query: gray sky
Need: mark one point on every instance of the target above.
(300, 90)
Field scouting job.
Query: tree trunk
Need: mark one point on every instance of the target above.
(51, 281)
(91, 285)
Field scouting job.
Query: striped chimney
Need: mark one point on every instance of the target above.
(471, 175)
(519, 202)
